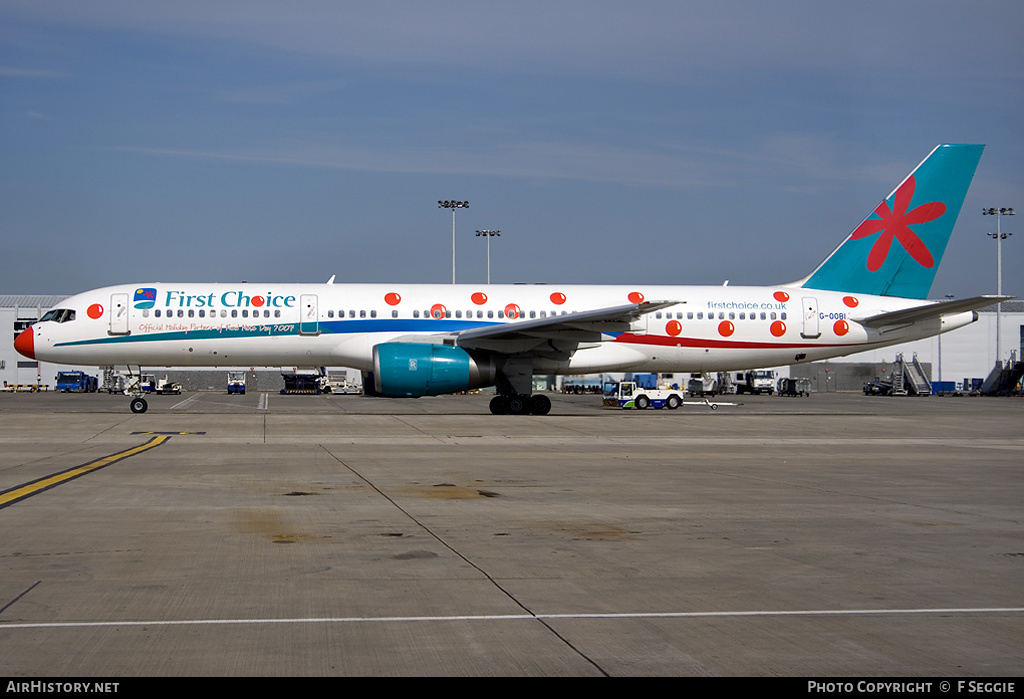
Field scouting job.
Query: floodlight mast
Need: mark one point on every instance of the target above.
(488, 234)
(453, 205)
(999, 236)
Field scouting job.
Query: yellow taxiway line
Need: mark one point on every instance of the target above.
(20, 492)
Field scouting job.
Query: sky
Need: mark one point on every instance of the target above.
(609, 142)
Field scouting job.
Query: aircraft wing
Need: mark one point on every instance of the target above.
(556, 336)
(931, 310)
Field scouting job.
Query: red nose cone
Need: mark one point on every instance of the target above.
(26, 344)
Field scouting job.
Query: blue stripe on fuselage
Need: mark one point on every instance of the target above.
(330, 327)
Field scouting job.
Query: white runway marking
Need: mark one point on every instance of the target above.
(521, 617)
(183, 403)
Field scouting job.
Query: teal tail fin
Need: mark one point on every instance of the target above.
(896, 250)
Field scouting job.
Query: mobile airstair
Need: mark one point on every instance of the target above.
(1003, 379)
(908, 378)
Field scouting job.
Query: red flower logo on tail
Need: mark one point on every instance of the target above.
(896, 223)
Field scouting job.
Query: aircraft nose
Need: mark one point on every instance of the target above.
(25, 343)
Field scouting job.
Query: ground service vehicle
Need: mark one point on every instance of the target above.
(236, 382)
(756, 382)
(76, 382)
(794, 387)
(626, 394)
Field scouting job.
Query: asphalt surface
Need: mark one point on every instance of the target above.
(835, 535)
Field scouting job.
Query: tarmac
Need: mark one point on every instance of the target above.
(264, 535)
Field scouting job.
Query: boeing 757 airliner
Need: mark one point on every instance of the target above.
(426, 339)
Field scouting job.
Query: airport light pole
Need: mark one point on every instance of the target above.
(949, 297)
(486, 233)
(999, 236)
(453, 205)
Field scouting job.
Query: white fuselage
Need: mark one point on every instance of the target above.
(711, 328)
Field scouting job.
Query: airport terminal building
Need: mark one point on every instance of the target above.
(969, 352)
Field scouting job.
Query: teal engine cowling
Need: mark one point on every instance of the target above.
(418, 369)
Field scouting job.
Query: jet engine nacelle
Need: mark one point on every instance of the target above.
(419, 369)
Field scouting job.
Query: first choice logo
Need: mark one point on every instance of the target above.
(229, 299)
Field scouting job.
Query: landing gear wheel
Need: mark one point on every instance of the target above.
(642, 402)
(518, 405)
(672, 402)
(139, 405)
(540, 405)
(499, 405)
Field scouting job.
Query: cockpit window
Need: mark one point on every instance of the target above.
(59, 315)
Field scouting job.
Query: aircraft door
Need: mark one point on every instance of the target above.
(119, 314)
(309, 324)
(810, 327)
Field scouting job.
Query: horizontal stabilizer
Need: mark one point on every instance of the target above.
(931, 310)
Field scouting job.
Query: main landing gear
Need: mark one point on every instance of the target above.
(519, 404)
